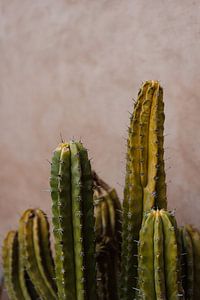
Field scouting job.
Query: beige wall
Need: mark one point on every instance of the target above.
(73, 67)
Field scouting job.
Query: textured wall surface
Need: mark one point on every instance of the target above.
(72, 67)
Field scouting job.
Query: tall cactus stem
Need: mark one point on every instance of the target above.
(73, 221)
(145, 186)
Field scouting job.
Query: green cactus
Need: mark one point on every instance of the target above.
(13, 272)
(145, 186)
(191, 255)
(11, 266)
(159, 273)
(73, 221)
(34, 231)
(98, 246)
(108, 239)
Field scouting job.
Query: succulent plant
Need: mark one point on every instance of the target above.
(145, 186)
(159, 264)
(104, 251)
(107, 211)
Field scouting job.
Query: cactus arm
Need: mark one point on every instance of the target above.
(132, 204)
(11, 266)
(71, 190)
(146, 259)
(79, 252)
(62, 222)
(153, 116)
(158, 258)
(88, 223)
(195, 237)
(28, 289)
(33, 257)
(145, 186)
(42, 251)
(171, 257)
(42, 244)
(188, 263)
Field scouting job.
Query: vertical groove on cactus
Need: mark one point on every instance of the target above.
(72, 209)
(10, 254)
(145, 186)
(159, 259)
(35, 235)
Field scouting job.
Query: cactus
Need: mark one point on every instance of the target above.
(145, 186)
(73, 221)
(13, 272)
(191, 254)
(159, 273)
(11, 266)
(34, 231)
(108, 239)
(98, 245)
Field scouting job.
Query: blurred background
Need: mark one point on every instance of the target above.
(73, 68)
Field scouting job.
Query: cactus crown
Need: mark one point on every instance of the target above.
(103, 251)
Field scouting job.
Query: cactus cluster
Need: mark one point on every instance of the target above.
(103, 251)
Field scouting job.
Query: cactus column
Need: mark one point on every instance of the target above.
(73, 221)
(159, 274)
(108, 239)
(191, 255)
(145, 186)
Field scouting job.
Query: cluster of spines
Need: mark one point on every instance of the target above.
(145, 186)
(159, 268)
(191, 261)
(73, 221)
(108, 239)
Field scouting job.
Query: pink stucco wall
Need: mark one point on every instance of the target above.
(72, 67)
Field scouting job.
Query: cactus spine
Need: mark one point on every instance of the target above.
(73, 221)
(145, 186)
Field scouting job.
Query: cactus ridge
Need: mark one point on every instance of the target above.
(37, 253)
(28, 288)
(145, 186)
(11, 266)
(73, 221)
(159, 274)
